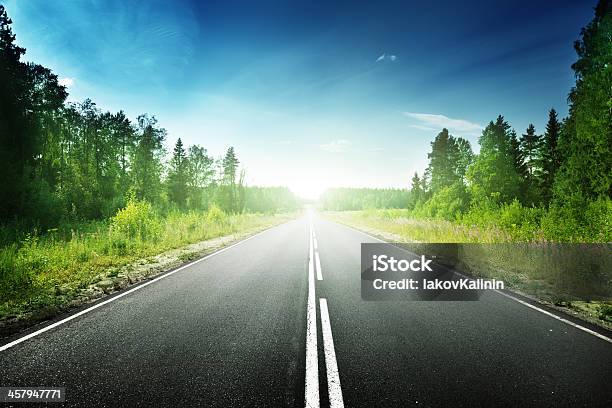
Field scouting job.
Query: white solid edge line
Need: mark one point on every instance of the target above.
(576, 325)
(333, 378)
(311, 386)
(318, 264)
(119, 296)
(594, 333)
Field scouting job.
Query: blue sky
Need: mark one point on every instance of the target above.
(312, 94)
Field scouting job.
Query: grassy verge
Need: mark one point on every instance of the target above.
(530, 274)
(44, 274)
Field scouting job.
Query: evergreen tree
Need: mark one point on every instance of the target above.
(227, 191)
(519, 166)
(124, 139)
(529, 147)
(443, 161)
(30, 96)
(177, 175)
(464, 157)
(416, 191)
(230, 167)
(201, 172)
(146, 165)
(585, 146)
(549, 159)
(493, 175)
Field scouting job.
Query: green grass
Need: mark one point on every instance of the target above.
(43, 273)
(406, 228)
(540, 271)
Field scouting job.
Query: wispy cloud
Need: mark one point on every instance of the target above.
(336, 146)
(67, 82)
(432, 121)
(423, 127)
(385, 57)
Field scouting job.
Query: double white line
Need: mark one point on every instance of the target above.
(312, 399)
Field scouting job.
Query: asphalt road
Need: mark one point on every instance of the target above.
(232, 330)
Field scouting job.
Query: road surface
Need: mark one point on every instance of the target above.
(278, 320)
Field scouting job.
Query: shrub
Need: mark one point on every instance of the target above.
(579, 220)
(136, 220)
(448, 203)
(216, 215)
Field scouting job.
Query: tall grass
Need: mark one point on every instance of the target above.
(406, 228)
(534, 264)
(48, 269)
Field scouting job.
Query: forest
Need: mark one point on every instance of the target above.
(344, 199)
(552, 184)
(65, 161)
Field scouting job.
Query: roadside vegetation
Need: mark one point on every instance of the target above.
(553, 187)
(84, 193)
(42, 274)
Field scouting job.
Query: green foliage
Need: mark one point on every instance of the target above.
(146, 160)
(494, 173)
(215, 215)
(15, 271)
(49, 270)
(417, 191)
(573, 221)
(341, 199)
(64, 162)
(200, 176)
(549, 157)
(448, 203)
(30, 96)
(178, 174)
(136, 221)
(229, 195)
(586, 140)
(270, 200)
(529, 146)
(448, 161)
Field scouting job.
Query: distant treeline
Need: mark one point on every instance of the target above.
(556, 185)
(72, 161)
(345, 199)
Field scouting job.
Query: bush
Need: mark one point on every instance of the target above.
(216, 215)
(448, 203)
(577, 221)
(136, 220)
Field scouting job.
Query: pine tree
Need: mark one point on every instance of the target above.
(227, 192)
(585, 146)
(416, 191)
(201, 172)
(519, 165)
(230, 166)
(464, 158)
(549, 160)
(443, 161)
(146, 162)
(493, 175)
(29, 96)
(177, 175)
(529, 147)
